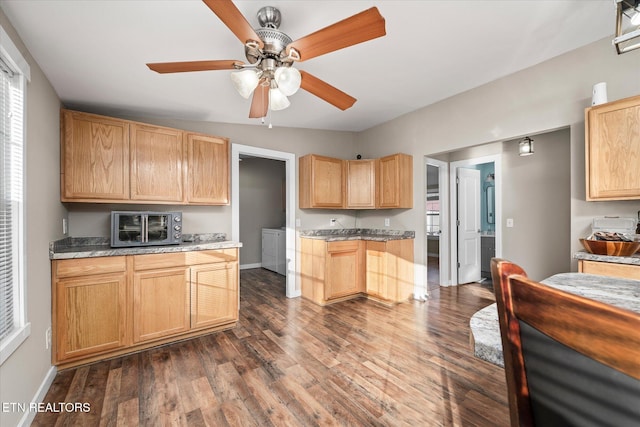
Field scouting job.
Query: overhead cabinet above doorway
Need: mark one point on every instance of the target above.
(330, 183)
(107, 160)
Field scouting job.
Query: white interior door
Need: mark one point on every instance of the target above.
(468, 225)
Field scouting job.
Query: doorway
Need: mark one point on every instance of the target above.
(290, 199)
(436, 246)
(476, 214)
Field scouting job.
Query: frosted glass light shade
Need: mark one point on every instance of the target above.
(245, 82)
(288, 80)
(277, 100)
(525, 147)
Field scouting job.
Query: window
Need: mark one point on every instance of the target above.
(13, 325)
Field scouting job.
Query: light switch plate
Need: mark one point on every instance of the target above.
(509, 222)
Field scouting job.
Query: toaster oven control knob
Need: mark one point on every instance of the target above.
(177, 219)
(177, 235)
(177, 227)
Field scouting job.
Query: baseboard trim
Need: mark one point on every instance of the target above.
(248, 266)
(29, 416)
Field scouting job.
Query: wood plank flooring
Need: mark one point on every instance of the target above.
(292, 363)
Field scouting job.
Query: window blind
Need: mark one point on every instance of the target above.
(11, 194)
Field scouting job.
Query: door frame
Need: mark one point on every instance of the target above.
(290, 167)
(443, 178)
(496, 159)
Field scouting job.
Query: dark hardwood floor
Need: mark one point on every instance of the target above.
(290, 362)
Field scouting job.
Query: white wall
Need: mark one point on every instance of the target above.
(22, 374)
(549, 96)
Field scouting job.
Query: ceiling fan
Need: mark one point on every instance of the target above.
(269, 73)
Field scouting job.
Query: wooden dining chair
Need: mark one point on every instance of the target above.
(569, 360)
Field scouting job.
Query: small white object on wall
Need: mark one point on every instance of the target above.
(599, 93)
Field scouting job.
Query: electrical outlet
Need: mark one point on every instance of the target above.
(48, 338)
(298, 222)
(65, 227)
(332, 222)
(387, 222)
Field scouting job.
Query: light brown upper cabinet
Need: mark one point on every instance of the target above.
(321, 182)
(361, 184)
(394, 181)
(612, 136)
(108, 160)
(157, 157)
(94, 158)
(208, 173)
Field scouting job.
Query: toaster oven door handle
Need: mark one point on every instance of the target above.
(145, 229)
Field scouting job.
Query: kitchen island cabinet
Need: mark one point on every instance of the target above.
(626, 267)
(112, 305)
(612, 150)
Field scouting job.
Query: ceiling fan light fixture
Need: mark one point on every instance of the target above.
(245, 82)
(277, 100)
(288, 80)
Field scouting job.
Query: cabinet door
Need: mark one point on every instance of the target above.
(376, 275)
(361, 184)
(95, 158)
(90, 315)
(214, 294)
(208, 170)
(160, 303)
(156, 164)
(613, 150)
(344, 269)
(321, 182)
(395, 181)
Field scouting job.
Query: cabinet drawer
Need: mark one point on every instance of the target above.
(343, 246)
(625, 271)
(178, 259)
(89, 266)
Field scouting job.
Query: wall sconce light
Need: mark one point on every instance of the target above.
(525, 147)
(627, 26)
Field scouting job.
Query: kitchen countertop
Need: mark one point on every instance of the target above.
(91, 247)
(623, 293)
(379, 235)
(633, 260)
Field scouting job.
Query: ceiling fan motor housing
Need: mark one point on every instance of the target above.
(275, 41)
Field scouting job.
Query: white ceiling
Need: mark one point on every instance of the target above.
(94, 53)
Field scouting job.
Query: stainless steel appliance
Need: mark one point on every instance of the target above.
(135, 228)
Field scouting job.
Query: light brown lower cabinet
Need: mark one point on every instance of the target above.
(625, 271)
(390, 270)
(335, 271)
(108, 306)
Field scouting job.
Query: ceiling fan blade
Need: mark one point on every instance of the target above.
(325, 91)
(181, 67)
(366, 25)
(259, 102)
(233, 18)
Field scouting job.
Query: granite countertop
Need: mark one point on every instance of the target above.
(375, 234)
(91, 247)
(633, 259)
(623, 293)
